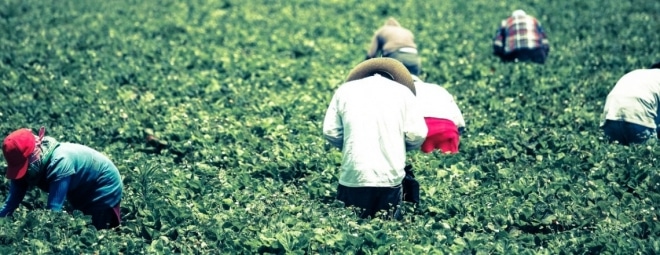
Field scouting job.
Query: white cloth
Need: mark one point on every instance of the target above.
(437, 102)
(518, 13)
(635, 98)
(374, 121)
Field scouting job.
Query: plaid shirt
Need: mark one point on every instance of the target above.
(519, 32)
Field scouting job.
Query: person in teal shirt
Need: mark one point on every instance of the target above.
(83, 176)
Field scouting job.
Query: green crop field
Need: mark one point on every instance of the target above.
(213, 110)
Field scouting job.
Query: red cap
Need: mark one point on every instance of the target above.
(17, 148)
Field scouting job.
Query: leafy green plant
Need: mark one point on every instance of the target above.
(213, 111)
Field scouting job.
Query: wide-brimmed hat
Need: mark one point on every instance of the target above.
(387, 67)
(16, 149)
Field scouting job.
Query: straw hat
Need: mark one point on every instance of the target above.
(387, 67)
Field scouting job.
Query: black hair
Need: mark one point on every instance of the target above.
(656, 65)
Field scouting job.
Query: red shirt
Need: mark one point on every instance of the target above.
(442, 134)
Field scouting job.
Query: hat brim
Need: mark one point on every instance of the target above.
(388, 67)
(17, 172)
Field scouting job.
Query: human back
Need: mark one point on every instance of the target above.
(374, 120)
(437, 102)
(522, 31)
(635, 98)
(95, 180)
(394, 38)
(520, 37)
(395, 41)
(375, 112)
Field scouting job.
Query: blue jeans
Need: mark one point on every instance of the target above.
(370, 200)
(105, 218)
(626, 133)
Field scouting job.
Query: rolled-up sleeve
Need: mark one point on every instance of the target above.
(333, 129)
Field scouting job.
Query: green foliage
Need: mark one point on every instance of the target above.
(213, 110)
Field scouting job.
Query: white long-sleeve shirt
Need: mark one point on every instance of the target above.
(635, 98)
(374, 121)
(437, 102)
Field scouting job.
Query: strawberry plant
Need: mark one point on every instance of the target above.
(212, 111)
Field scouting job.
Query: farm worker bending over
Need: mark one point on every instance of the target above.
(87, 178)
(521, 37)
(374, 119)
(443, 117)
(632, 106)
(394, 41)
